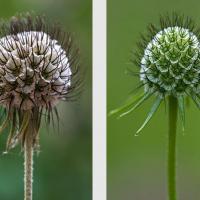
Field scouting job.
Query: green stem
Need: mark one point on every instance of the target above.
(171, 145)
(28, 164)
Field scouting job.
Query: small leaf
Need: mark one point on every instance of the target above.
(151, 113)
(182, 112)
(134, 99)
(132, 109)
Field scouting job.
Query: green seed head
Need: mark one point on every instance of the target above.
(170, 57)
(169, 61)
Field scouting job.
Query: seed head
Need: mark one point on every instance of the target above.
(168, 58)
(38, 69)
(170, 64)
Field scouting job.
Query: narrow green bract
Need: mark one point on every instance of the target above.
(182, 112)
(152, 111)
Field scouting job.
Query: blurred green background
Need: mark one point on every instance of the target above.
(136, 166)
(63, 169)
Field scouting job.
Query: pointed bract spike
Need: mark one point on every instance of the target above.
(182, 112)
(12, 131)
(15, 143)
(20, 117)
(151, 113)
(132, 109)
(37, 146)
(5, 123)
(134, 100)
(24, 124)
(23, 140)
(195, 98)
(39, 120)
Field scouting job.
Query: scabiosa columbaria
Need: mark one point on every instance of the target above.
(169, 62)
(168, 58)
(38, 70)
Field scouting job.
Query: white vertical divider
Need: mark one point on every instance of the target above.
(99, 99)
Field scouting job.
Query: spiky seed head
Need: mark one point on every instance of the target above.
(171, 62)
(34, 71)
(38, 69)
(168, 58)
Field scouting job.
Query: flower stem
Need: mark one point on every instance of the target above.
(28, 164)
(171, 145)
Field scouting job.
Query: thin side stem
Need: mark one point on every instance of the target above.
(28, 164)
(171, 146)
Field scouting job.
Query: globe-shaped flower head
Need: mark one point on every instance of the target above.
(169, 62)
(38, 70)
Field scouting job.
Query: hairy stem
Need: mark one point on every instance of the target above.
(28, 164)
(171, 145)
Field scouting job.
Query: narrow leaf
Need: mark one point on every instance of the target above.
(151, 113)
(182, 112)
(132, 109)
(134, 99)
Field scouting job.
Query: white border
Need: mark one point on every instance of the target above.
(99, 99)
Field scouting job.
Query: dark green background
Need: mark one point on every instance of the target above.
(137, 165)
(63, 169)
